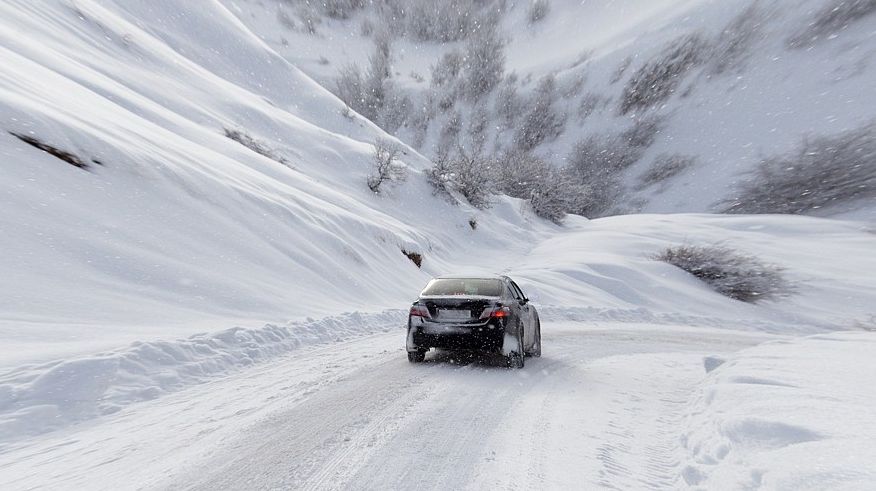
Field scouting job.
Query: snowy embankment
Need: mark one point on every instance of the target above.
(794, 414)
(605, 269)
(40, 398)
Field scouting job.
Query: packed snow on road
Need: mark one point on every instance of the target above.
(215, 217)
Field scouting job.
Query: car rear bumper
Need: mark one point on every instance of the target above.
(487, 337)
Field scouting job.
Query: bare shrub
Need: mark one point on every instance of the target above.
(484, 62)
(385, 167)
(440, 175)
(550, 191)
(309, 17)
(471, 176)
(644, 131)
(479, 120)
(610, 152)
(378, 72)
(447, 99)
(556, 196)
(446, 71)
(54, 151)
(824, 172)
(658, 79)
(598, 162)
(736, 41)
(508, 102)
(573, 87)
(445, 21)
(729, 272)
(350, 88)
(538, 10)
(366, 91)
(341, 9)
(255, 145)
(664, 168)
(449, 136)
(396, 109)
(589, 103)
(620, 70)
(836, 16)
(422, 113)
(519, 173)
(542, 121)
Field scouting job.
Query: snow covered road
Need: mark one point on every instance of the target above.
(604, 407)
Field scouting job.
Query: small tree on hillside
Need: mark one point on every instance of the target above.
(557, 195)
(484, 62)
(543, 121)
(471, 175)
(385, 166)
(366, 92)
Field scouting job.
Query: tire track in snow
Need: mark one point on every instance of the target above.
(601, 409)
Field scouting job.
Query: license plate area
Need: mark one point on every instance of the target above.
(454, 315)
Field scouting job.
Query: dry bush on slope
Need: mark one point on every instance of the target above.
(730, 273)
(825, 171)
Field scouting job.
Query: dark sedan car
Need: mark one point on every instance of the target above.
(486, 313)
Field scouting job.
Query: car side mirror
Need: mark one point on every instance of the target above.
(523, 301)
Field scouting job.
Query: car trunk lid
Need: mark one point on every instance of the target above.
(457, 309)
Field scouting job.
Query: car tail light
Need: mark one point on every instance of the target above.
(419, 311)
(500, 312)
(496, 313)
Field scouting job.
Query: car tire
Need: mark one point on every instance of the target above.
(417, 356)
(516, 359)
(536, 346)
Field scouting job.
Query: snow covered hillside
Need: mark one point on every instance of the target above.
(168, 222)
(657, 106)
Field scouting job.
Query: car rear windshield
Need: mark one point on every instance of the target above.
(484, 287)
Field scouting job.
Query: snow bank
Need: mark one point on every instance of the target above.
(787, 415)
(40, 398)
(605, 269)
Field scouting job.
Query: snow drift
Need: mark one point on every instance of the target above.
(786, 415)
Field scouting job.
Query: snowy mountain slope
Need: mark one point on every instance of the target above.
(178, 225)
(762, 81)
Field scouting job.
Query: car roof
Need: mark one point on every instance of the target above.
(478, 276)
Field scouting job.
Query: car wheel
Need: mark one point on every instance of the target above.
(536, 347)
(515, 358)
(417, 356)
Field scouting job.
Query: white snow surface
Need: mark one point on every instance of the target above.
(191, 314)
(786, 415)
